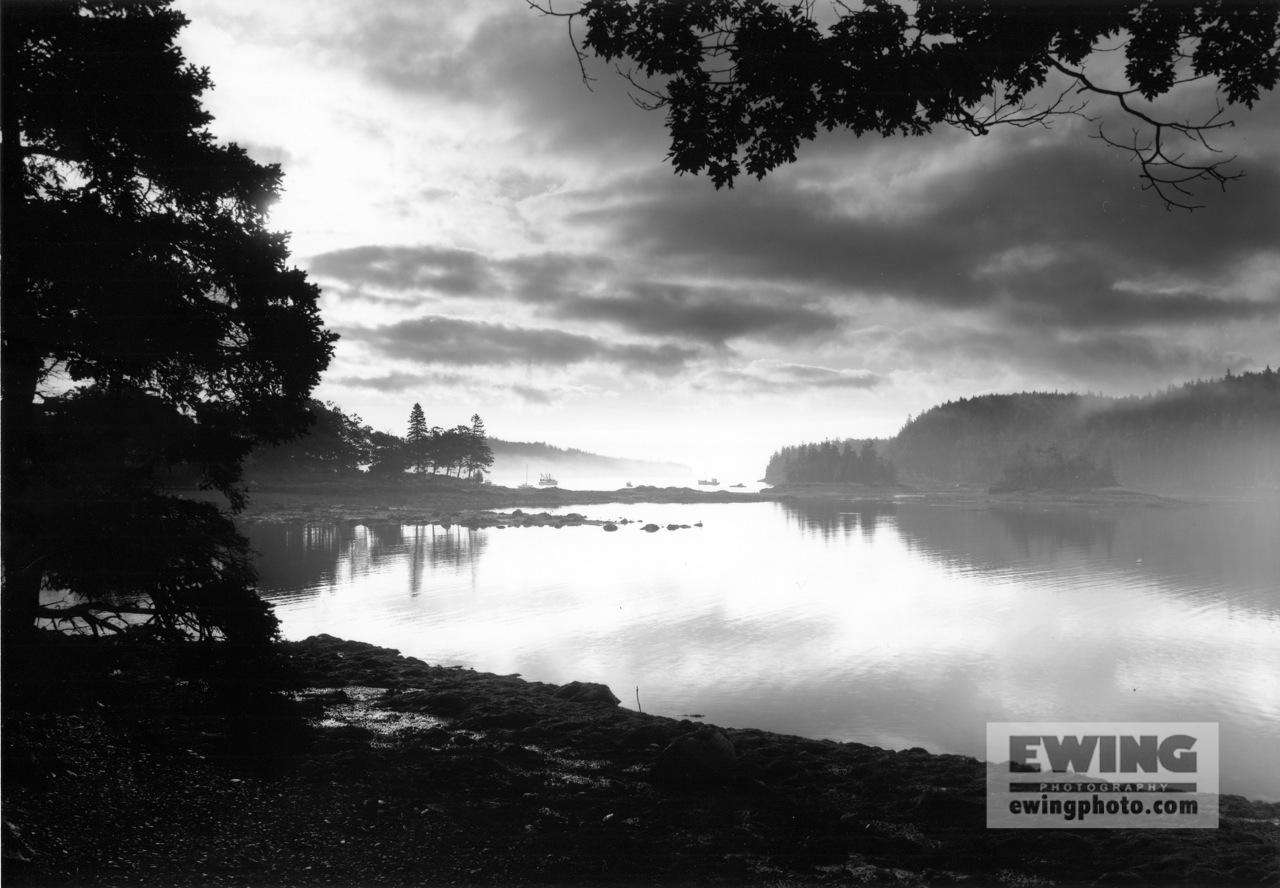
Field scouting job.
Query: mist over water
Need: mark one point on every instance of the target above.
(897, 625)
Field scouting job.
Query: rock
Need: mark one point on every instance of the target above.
(611, 527)
(704, 756)
(673, 527)
(651, 528)
(586, 692)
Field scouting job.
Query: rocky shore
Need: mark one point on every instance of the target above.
(389, 771)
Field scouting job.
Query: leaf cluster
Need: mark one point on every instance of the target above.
(744, 82)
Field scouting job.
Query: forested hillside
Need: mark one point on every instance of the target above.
(1215, 433)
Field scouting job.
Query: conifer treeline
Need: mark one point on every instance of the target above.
(839, 462)
(339, 443)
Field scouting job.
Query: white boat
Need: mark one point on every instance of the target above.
(713, 482)
(547, 481)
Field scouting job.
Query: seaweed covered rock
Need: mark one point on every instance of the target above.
(587, 692)
(702, 756)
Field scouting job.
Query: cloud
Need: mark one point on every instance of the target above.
(777, 377)
(1058, 227)
(406, 269)
(388, 382)
(532, 395)
(453, 341)
(706, 314)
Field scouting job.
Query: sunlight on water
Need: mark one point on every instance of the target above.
(895, 625)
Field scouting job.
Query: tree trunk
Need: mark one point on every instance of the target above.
(19, 376)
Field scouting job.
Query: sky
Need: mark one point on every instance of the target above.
(492, 236)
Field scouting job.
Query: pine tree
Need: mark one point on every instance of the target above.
(418, 439)
(479, 456)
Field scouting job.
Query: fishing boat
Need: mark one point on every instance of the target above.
(547, 480)
(710, 482)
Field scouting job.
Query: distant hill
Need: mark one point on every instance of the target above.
(1218, 433)
(512, 456)
(1204, 434)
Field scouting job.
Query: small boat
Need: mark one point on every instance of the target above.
(526, 485)
(547, 481)
(628, 483)
(738, 485)
(713, 482)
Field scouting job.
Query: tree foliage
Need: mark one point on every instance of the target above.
(150, 318)
(336, 443)
(417, 439)
(744, 82)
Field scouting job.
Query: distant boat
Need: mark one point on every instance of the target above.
(628, 483)
(547, 481)
(526, 485)
(739, 484)
(713, 482)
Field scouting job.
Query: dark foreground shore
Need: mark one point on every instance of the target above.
(133, 770)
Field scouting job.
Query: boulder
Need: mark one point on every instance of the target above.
(702, 756)
(586, 692)
(611, 526)
(651, 528)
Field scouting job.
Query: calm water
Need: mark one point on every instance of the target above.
(898, 626)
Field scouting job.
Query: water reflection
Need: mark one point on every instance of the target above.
(299, 560)
(894, 624)
(827, 517)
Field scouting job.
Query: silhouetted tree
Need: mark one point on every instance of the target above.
(417, 440)
(388, 455)
(747, 81)
(480, 455)
(336, 444)
(149, 318)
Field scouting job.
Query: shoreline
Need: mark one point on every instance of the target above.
(447, 502)
(405, 773)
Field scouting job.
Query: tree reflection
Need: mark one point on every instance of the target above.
(297, 559)
(992, 538)
(836, 517)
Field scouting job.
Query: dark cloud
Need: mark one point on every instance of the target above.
(1117, 308)
(1056, 227)
(402, 269)
(551, 277)
(1115, 362)
(451, 341)
(775, 377)
(710, 315)
(531, 395)
(389, 382)
(543, 278)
